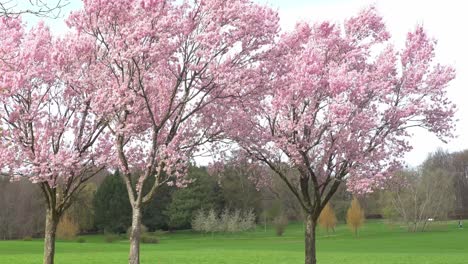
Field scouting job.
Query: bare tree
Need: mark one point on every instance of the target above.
(420, 195)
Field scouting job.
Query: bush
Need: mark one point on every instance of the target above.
(280, 222)
(27, 238)
(67, 228)
(211, 223)
(232, 224)
(247, 221)
(224, 220)
(147, 238)
(229, 221)
(144, 230)
(198, 221)
(111, 238)
(81, 240)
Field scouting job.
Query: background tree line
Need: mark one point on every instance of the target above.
(438, 189)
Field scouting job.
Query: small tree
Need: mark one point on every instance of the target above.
(327, 218)
(415, 196)
(355, 216)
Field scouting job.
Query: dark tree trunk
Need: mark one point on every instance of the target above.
(310, 253)
(135, 234)
(49, 236)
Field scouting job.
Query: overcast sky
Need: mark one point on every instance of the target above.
(444, 20)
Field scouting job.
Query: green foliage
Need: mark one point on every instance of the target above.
(111, 205)
(154, 216)
(237, 189)
(202, 193)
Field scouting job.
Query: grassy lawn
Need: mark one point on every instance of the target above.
(377, 243)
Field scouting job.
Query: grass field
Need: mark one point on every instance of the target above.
(377, 243)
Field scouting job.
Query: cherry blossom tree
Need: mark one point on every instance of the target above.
(48, 132)
(161, 66)
(338, 106)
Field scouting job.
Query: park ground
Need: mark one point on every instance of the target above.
(377, 242)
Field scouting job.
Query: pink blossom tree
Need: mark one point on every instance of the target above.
(338, 106)
(162, 66)
(48, 133)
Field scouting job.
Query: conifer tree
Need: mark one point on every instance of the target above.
(355, 216)
(327, 218)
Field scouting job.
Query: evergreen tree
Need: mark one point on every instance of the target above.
(203, 193)
(327, 218)
(355, 216)
(111, 205)
(154, 214)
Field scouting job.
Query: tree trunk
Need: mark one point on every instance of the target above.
(310, 253)
(49, 236)
(135, 234)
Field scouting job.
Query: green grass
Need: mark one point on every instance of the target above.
(377, 243)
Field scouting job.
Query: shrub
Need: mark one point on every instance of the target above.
(27, 238)
(247, 222)
(81, 240)
(280, 222)
(111, 238)
(147, 238)
(233, 222)
(144, 230)
(67, 228)
(212, 223)
(229, 221)
(224, 220)
(198, 221)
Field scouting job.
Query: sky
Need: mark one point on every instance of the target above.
(443, 20)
